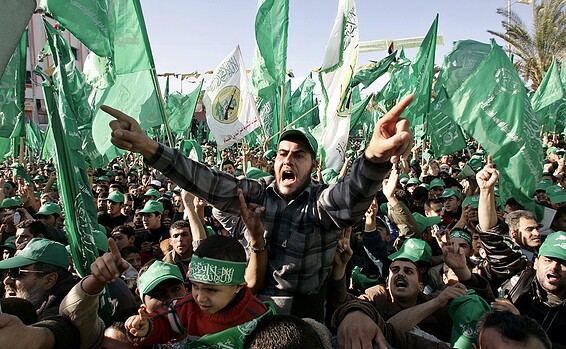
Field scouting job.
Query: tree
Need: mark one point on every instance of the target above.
(533, 49)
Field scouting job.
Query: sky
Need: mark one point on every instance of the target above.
(189, 35)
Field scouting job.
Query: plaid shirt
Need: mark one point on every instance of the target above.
(302, 233)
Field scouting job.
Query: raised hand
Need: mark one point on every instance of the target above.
(358, 331)
(391, 138)
(488, 176)
(105, 269)
(138, 325)
(343, 254)
(252, 218)
(450, 293)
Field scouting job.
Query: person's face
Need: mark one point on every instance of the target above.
(177, 202)
(529, 234)
(135, 260)
(229, 168)
(541, 196)
(181, 240)
(444, 159)
(403, 282)
(476, 244)
(491, 338)
(127, 208)
(213, 298)
(28, 284)
(551, 275)
(461, 246)
(48, 219)
(163, 293)
(45, 198)
(293, 167)
(451, 204)
(119, 178)
(102, 204)
(23, 236)
(151, 220)
(473, 215)
(434, 210)
(114, 208)
(435, 192)
(122, 240)
(7, 253)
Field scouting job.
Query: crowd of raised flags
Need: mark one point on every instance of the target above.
(477, 96)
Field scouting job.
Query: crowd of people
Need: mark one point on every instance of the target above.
(266, 250)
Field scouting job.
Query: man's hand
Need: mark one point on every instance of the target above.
(252, 218)
(391, 138)
(127, 134)
(105, 269)
(390, 185)
(450, 293)
(138, 325)
(488, 176)
(456, 260)
(358, 331)
(15, 335)
(343, 254)
(501, 304)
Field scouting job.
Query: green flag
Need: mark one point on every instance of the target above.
(180, 109)
(446, 137)
(88, 20)
(358, 111)
(550, 93)
(368, 75)
(304, 112)
(500, 117)
(12, 93)
(270, 63)
(75, 110)
(34, 138)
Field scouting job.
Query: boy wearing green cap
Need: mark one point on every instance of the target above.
(220, 299)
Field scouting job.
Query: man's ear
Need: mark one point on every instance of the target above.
(314, 166)
(50, 280)
(513, 234)
(240, 286)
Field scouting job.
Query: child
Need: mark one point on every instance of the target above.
(220, 298)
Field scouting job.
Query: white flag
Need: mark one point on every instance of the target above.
(339, 63)
(230, 109)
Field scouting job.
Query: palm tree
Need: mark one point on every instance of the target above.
(534, 49)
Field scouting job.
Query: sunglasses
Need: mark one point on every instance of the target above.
(17, 272)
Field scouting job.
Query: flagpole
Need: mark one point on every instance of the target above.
(282, 109)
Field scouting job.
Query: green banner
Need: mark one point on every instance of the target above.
(180, 109)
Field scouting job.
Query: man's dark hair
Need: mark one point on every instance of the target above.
(50, 268)
(516, 327)
(127, 250)
(34, 226)
(282, 332)
(124, 229)
(420, 194)
(167, 206)
(226, 162)
(180, 225)
(222, 247)
(513, 219)
(514, 204)
(118, 186)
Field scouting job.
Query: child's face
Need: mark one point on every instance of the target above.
(213, 298)
(163, 293)
(135, 260)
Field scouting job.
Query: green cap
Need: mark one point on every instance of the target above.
(49, 208)
(9, 243)
(155, 274)
(437, 182)
(414, 250)
(554, 246)
(413, 181)
(448, 192)
(425, 222)
(256, 173)
(301, 133)
(10, 203)
(556, 194)
(270, 154)
(39, 250)
(110, 173)
(476, 162)
(466, 172)
(103, 179)
(100, 239)
(115, 196)
(465, 312)
(177, 190)
(39, 178)
(351, 154)
(152, 206)
(473, 201)
(543, 185)
(152, 192)
(551, 150)
(426, 186)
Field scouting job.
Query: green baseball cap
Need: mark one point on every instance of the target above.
(152, 192)
(156, 273)
(256, 173)
(9, 243)
(177, 190)
(473, 201)
(413, 181)
(425, 222)
(11, 202)
(556, 194)
(414, 250)
(39, 250)
(437, 182)
(301, 133)
(465, 312)
(270, 154)
(110, 173)
(448, 192)
(103, 179)
(551, 150)
(152, 206)
(554, 246)
(49, 208)
(543, 185)
(329, 175)
(115, 196)
(39, 178)
(100, 239)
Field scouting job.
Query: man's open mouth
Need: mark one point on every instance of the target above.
(288, 177)
(401, 283)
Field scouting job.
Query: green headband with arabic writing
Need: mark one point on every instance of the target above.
(457, 233)
(216, 271)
